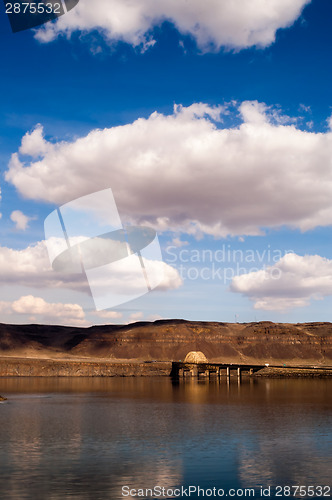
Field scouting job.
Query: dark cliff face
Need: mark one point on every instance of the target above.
(173, 339)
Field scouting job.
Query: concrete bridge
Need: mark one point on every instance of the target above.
(183, 369)
(196, 364)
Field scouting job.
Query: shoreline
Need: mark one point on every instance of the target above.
(47, 367)
(94, 367)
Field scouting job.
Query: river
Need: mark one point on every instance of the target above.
(113, 438)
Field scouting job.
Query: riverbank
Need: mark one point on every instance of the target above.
(148, 349)
(33, 367)
(294, 372)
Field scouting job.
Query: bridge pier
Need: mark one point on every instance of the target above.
(182, 370)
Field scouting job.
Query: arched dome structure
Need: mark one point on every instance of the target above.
(195, 357)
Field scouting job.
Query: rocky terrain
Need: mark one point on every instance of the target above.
(171, 340)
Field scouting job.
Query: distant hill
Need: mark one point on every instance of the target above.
(171, 340)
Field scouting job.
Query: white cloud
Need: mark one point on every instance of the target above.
(329, 122)
(171, 278)
(108, 314)
(305, 108)
(125, 280)
(34, 144)
(59, 313)
(178, 243)
(21, 220)
(186, 174)
(213, 24)
(136, 316)
(31, 267)
(291, 282)
(154, 317)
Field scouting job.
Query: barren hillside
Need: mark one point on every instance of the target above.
(169, 340)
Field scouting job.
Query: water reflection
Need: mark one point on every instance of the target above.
(86, 438)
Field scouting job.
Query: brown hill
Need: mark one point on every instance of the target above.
(264, 342)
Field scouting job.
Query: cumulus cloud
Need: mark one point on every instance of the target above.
(126, 280)
(178, 243)
(212, 24)
(292, 282)
(59, 313)
(31, 267)
(136, 316)
(34, 144)
(188, 173)
(108, 314)
(21, 220)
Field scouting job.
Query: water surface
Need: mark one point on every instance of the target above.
(81, 438)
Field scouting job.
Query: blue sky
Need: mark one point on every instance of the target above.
(77, 80)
